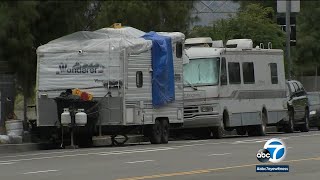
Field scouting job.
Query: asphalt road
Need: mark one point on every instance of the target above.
(228, 158)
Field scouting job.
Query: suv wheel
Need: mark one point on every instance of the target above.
(305, 127)
(289, 128)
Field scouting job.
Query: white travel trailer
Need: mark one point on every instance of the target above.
(133, 93)
(240, 88)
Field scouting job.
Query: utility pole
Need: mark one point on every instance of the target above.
(288, 32)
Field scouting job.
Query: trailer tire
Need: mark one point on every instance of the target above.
(165, 131)
(155, 132)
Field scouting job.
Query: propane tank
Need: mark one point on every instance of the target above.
(65, 117)
(81, 117)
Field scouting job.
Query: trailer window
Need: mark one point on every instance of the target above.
(223, 77)
(274, 73)
(201, 72)
(248, 73)
(139, 79)
(234, 73)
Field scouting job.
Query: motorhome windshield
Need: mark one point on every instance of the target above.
(201, 72)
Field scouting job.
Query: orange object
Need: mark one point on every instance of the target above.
(90, 96)
(76, 92)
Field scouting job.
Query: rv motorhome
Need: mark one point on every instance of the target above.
(137, 86)
(240, 88)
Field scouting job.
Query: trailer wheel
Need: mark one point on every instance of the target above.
(241, 131)
(289, 128)
(155, 133)
(165, 131)
(305, 127)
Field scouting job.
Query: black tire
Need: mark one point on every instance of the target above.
(241, 131)
(289, 128)
(305, 127)
(259, 130)
(319, 128)
(155, 133)
(165, 131)
(262, 129)
(218, 132)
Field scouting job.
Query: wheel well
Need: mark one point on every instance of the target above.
(162, 119)
(265, 112)
(225, 117)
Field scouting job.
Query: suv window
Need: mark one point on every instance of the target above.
(296, 87)
(300, 86)
(292, 89)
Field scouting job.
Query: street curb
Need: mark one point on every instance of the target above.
(18, 148)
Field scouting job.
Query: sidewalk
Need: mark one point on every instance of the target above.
(18, 148)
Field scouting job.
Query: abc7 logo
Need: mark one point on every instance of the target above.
(263, 155)
(273, 151)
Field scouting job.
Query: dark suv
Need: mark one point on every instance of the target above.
(298, 109)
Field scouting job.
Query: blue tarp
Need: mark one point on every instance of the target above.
(163, 72)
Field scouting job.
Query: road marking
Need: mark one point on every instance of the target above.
(136, 151)
(289, 147)
(7, 163)
(196, 141)
(36, 172)
(219, 154)
(163, 148)
(98, 153)
(202, 171)
(133, 162)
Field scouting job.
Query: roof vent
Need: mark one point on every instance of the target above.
(217, 44)
(240, 43)
(200, 41)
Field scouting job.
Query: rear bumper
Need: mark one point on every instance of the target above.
(202, 121)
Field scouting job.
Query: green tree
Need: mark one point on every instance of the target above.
(59, 18)
(16, 42)
(147, 15)
(253, 22)
(308, 35)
